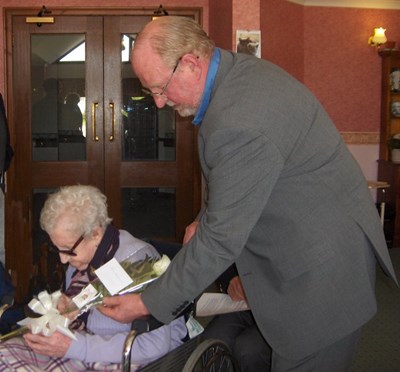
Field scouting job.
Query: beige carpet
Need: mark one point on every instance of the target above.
(379, 348)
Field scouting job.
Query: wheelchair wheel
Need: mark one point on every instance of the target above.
(211, 356)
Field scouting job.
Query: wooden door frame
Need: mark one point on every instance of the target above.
(18, 211)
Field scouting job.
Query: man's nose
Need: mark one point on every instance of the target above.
(160, 101)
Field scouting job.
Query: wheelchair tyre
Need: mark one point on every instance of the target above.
(211, 355)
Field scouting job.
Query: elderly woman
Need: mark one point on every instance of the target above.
(77, 222)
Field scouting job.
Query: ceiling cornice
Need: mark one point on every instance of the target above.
(376, 4)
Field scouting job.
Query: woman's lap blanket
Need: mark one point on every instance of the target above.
(16, 356)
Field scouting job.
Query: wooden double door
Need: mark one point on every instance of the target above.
(77, 114)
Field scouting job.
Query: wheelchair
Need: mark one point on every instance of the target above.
(194, 355)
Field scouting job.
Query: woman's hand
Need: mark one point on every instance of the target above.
(55, 345)
(63, 304)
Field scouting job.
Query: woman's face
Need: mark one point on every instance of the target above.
(84, 248)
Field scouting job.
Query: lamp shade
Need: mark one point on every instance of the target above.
(379, 36)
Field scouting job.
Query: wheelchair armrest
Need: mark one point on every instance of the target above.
(127, 350)
(141, 325)
(138, 326)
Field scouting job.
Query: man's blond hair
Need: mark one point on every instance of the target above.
(173, 36)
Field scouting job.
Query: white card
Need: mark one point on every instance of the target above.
(113, 276)
(87, 294)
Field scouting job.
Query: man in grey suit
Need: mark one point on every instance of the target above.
(285, 201)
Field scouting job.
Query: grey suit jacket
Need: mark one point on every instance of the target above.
(288, 204)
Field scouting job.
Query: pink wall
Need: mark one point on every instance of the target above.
(220, 18)
(327, 49)
(282, 29)
(341, 68)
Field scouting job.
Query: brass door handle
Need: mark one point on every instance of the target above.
(94, 130)
(112, 107)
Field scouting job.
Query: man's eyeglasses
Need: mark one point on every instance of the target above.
(162, 93)
(68, 252)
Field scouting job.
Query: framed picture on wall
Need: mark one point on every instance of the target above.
(248, 42)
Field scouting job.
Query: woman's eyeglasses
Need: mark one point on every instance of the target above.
(67, 252)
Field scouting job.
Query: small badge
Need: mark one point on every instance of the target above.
(194, 327)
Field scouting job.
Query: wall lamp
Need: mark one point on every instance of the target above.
(378, 38)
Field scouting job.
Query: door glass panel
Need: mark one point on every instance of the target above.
(148, 133)
(149, 212)
(58, 97)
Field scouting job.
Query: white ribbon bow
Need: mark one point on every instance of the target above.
(51, 320)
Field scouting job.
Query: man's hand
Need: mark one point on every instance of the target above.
(235, 290)
(55, 345)
(124, 308)
(190, 231)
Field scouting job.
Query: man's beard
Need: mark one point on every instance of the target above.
(183, 111)
(187, 111)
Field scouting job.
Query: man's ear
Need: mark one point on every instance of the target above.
(192, 63)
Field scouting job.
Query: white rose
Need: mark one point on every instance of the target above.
(161, 265)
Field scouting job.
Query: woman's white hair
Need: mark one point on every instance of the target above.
(84, 205)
